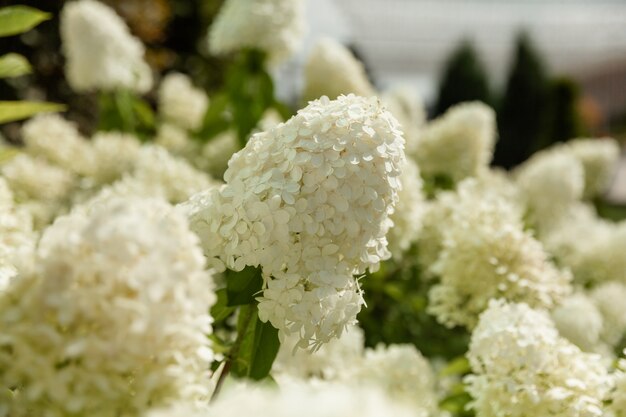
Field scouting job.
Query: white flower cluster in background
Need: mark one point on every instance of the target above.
(599, 159)
(296, 399)
(400, 371)
(53, 138)
(484, 253)
(407, 217)
(569, 172)
(101, 54)
(309, 202)
(609, 299)
(17, 239)
(114, 318)
(274, 26)
(181, 103)
(58, 168)
(457, 145)
(579, 320)
(331, 70)
(522, 367)
(406, 106)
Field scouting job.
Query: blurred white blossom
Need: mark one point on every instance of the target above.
(113, 320)
(609, 299)
(100, 52)
(331, 70)
(58, 141)
(552, 181)
(458, 144)
(180, 102)
(599, 158)
(578, 320)
(485, 253)
(274, 26)
(407, 217)
(296, 399)
(522, 367)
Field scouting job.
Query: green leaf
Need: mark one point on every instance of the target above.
(242, 287)
(19, 19)
(13, 65)
(458, 366)
(265, 350)
(221, 309)
(11, 111)
(7, 153)
(259, 345)
(144, 112)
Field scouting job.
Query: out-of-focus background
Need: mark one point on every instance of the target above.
(553, 70)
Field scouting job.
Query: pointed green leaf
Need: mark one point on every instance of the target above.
(13, 65)
(265, 350)
(19, 19)
(242, 287)
(11, 111)
(221, 309)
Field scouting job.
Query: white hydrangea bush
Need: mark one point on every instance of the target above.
(309, 202)
(331, 70)
(180, 102)
(480, 251)
(113, 320)
(273, 26)
(100, 52)
(302, 399)
(522, 367)
(457, 145)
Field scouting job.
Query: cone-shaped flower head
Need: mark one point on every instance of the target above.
(100, 52)
(309, 202)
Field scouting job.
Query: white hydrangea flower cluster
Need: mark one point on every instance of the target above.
(181, 103)
(482, 252)
(328, 363)
(599, 159)
(491, 185)
(618, 397)
(609, 300)
(17, 239)
(579, 320)
(55, 139)
(403, 373)
(331, 70)
(115, 153)
(100, 52)
(398, 370)
(554, 173)
(522, 367)
(274, 26)
(407, 217)
(309, 202)
(604, 260)
(408, 108)
(38, 186)
(576, 232)
(459, 144)
(301, 399)
(113, 320)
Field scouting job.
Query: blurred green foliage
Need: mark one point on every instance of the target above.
(522, 116)
(396, 297)
(463, 79)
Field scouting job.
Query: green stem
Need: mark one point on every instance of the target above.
(249, 312)
(125, 109)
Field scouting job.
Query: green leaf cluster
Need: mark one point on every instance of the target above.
(13, 21)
